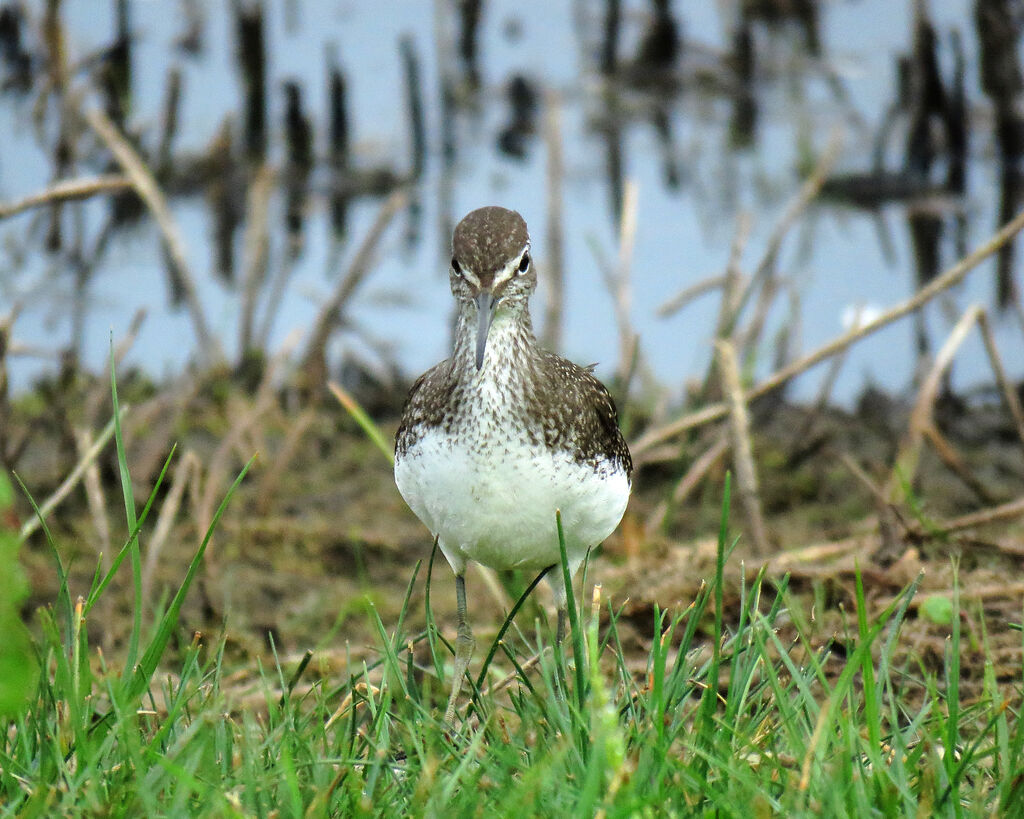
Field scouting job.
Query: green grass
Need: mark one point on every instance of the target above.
(724, 722)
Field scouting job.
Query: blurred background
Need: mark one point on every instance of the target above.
(249, 200)
(294, 121)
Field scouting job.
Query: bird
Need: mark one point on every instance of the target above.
(503, 434)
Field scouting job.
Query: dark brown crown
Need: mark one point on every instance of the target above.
(486, 239)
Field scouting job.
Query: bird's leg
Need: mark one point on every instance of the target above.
(562, 615)
(463, 648)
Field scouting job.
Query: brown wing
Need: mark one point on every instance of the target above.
(424, 407)
(584, 414)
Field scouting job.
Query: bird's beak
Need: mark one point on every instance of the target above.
(485, 304)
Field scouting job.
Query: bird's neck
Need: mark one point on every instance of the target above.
(511, 344)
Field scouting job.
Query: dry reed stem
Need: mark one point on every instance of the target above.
(216, 473)
(808, 191)
(506, 681)
(748, 337)
(949, 278)
(554, 259)
(1004, 511)
(742, 449)
(255, 251)
(146, 187)
(700, 468)
(735, 283)
(816, 553)
(314, 361)
(186, 472)
(1012, 590)
(1007, 389)
(94, 495)
(67, 190)
(693, 476)
(888, 516)
(955, 463)
(268, 486)
(619, 283)
(764, 276)
(155, 423)
(905, 468)
(688, 294)
(71, 481)
(864, 479)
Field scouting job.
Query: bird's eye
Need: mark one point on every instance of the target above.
(524, 263)
(456, 267)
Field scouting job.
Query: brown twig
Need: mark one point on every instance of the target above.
(955, 463)
(267, 492)
(217, 470)
(694, 475)
(1009, 393)
(94, 494)
(255, 251)
(185, 473)
(1005, 511)
(71, 481)
(892, 546)
(315, 360)
(948, 279)
(145, 185)
(554, 257)
(909, 453)
(618, 283)
(688, 294)
(742, 450)
(67, 190)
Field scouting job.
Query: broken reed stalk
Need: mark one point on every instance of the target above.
(1007, 389)
(169, 129)
(149, 192)
(217, 471)
(949, 455)
(889, 517)
(765, 269)
(690, 480)
(71, 481)
(267, 490)
(734, 287)
(948, 279)
(742, 450)
(619, 285)
(909, 455)
(255, 252)
(95, 498)
(314, 362)
(554, 259)
(1004, 511)
(186, 473)
(414, 105)
(67, 190)
(690, 293)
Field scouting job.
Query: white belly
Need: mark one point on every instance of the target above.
(496, 504)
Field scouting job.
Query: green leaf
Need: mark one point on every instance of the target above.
(17, 659)
(937, 609)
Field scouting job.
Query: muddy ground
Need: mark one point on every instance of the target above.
(317, 531)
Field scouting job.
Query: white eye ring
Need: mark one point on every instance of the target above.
(524, 263)
(456, 267)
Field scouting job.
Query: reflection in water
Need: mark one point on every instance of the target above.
(999, 32)
(298, 140)
(338, 141)
(252, 66)
(643, 84)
